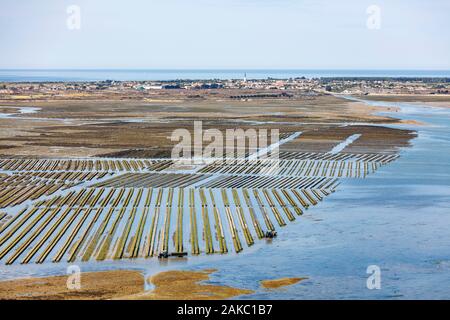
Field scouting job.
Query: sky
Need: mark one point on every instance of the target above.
(225, 34)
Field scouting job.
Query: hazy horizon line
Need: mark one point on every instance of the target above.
(221, 69)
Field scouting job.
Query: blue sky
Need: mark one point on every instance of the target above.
(307, 34)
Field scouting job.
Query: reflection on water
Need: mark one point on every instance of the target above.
(398, 219)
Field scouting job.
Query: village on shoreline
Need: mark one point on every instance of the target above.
(240, 89)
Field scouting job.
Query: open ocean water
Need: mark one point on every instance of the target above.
(14, 75)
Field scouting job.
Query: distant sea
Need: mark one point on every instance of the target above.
(22, 75)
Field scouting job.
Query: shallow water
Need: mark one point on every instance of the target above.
(397, 219)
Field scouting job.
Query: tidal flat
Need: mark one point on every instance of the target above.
(394, 219)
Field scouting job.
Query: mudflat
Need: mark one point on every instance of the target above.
(142, 128)
(94, 285)
(120, 284)
(281, 282)
(187, 285)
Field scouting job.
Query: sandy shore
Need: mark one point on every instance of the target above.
(187, 285)
(121, 284)
(413, 122)
(130, 285)
(94, 286)
(279, 283)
